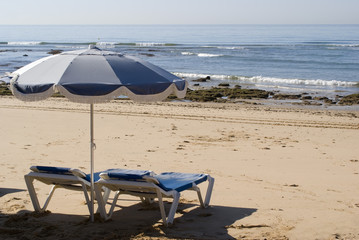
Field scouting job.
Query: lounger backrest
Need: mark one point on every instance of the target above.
(179, 181)
(58, 170)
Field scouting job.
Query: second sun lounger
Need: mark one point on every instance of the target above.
(148, 186)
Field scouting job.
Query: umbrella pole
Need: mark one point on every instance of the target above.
(92, 161)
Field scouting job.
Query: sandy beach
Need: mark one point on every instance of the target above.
(281, 172)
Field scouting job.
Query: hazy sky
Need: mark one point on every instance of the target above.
(179, 12)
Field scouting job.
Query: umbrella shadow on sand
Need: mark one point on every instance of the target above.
(137, 221)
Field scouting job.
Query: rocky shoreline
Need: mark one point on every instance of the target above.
(228, 94)
(236, 93)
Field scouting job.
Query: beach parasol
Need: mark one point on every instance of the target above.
(94, 76)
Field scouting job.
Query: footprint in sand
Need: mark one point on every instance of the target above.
(180, 147)
(13, 199)
(15, 207)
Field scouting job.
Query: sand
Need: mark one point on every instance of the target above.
(281, 172)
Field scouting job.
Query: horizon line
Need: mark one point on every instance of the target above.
(172, 24)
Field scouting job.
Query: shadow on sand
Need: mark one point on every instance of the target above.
(137, 221)
(4, 191)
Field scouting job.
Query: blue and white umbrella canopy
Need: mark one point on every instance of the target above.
(94, 76)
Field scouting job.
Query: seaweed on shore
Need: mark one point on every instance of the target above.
(216, 94)
(350, 99)
(287, 96)
(4, 90)
(55, 51)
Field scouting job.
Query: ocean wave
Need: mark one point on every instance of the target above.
(106, 43)
(188, 53)
(154, 44)
(33, 43)
(313, 82)
(213, 76)
(145, 44)
(30, 43)
(140, 44)
(232, 48)
(270, 80)
(285, 45)
(149, 44)
(344, 45)
(201, 54)
(208, 55)
(225, 47)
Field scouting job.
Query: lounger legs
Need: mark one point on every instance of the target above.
(205, 204)
(35, 201)
(101, 201)
(209, 191)
(176, 197)
(166, 219)
(87, 197)
(146, 200)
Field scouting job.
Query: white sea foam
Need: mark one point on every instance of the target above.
(24, 43)
(106, 44)
(314, 82)
(187, 53)
(224, 47)
(150, 44)
(270, 80)
(344, 45)
(201, 54)
(208, 55)
(232, 48)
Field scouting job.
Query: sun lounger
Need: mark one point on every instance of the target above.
(59, 177)
(148, 186)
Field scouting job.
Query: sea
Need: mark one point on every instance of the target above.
(315, 59)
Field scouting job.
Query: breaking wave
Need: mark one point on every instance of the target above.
(201, 54)
(140, 44)
(271, 80)
(24, 43)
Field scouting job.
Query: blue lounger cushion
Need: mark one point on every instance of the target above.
(125, 174)
(65, 171)
(96, 176)
(179, 181)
